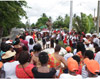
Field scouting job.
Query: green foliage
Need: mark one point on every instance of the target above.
(66, 21)
(84, 23)
(10, 14)
(61, 22)
(42, 21)
(58, 23)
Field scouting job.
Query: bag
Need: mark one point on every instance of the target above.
(26, 72)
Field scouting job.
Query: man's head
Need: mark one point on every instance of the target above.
(72, 65)
(77, 58)
(89, 54)
(92, 67)
(57, 48)
(68, 49)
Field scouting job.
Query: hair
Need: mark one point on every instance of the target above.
(97, 49)
(22, 37)
(8, 59)
(23, 57)
(4, 39)
(37, 47)
(25, 48)
(89, 54)
(31, 41)
(7, 39)
(95, 45)
(77, 58)
(5, 47)
(57, 48)
(43, 58)
(81, 47)
(17, 41)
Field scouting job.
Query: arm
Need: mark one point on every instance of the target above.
(64, 62)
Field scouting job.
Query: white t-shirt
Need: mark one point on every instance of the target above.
(93, 77)
(96, 40)
(67, 56)
(28, 38)
(68, 76)
(84, 72)
(9, 68)
(30, 46)
(97, 57)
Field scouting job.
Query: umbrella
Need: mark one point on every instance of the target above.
(43, 27)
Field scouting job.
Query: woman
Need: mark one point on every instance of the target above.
(55, 60)
(35, 60)
(23, 70)
(9, 64)
(81, 52)
(43, 71)
(17, 47)
(31, 44)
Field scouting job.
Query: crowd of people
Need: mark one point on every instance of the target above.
(24, 57)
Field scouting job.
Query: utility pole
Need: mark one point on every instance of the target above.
(98, 17)
(71, 15)
(94, 14)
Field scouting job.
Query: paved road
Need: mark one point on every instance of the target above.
(13, 34)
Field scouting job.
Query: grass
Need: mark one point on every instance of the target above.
(62, 44)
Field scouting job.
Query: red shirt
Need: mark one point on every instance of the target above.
(20, 73)
(25, 43)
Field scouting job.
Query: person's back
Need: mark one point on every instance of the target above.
(20, 73)
(9, 68)
(24, 69)
(43, 71)
(72, 68)
(69, 54)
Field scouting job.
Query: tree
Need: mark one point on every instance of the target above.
(42, 20)
(10, 14)
(33, 25)
(66, 21)
(59, 22)
(84, 23)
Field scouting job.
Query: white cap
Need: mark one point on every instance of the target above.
(8, 42)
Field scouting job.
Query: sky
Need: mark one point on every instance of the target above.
(55, 8)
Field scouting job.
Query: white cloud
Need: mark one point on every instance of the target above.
(54, 8)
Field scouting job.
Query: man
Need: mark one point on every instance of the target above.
(72, 68)
(95, 39)
(92, 68)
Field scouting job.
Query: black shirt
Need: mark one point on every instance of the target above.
(43, 75)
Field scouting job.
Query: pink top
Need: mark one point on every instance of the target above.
(20, 73)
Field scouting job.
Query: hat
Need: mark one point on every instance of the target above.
(94, 34)
(8, 42)
(1, 64)
(72, 64)
(88, 34)
(68, 49)
(8, 54)
(92, 65)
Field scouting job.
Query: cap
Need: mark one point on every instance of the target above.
(72, 64)
(68, 49)
(92, 65)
